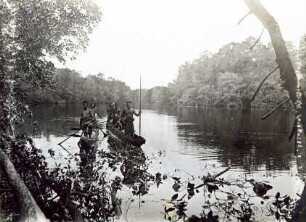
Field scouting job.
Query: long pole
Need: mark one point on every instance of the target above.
(69, 137)
(140, 106)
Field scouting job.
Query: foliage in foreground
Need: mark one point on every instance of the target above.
(81, 188)
(31, 34)
(230, 200)
(64, 192)
(71, 190)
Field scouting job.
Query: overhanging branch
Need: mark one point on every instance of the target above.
(262, 82)
(283, 60)
(257, 40)
(276, 108)
(243, 17)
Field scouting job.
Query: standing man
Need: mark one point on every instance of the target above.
(128, 118)
(87, 119)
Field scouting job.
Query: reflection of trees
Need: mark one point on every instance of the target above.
(55, 119)
(237, 137)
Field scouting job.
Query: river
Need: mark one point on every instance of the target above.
(188, 143)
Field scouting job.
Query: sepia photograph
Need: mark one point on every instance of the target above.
(152, 110)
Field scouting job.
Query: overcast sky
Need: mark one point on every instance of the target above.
(152, 38)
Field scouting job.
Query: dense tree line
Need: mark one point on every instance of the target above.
(70, 87)
(227, 78)
(157, 96)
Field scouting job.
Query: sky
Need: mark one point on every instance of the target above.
(152, 38)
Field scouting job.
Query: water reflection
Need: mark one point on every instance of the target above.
(56, 120)
(231, 137)
(188, 140)
(237, 138)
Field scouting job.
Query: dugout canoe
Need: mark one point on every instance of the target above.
(135, 140)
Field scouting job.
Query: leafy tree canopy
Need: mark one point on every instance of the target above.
(33, 32)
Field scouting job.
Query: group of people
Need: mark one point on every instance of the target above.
(121, 120)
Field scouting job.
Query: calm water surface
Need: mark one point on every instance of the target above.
(189, 143)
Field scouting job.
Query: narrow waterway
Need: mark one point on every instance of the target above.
(188, 143)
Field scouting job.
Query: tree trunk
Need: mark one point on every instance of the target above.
(288, 76)
(2, 81)
(283, 60)
(30, 211)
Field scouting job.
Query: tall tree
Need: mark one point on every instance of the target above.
(288, 75)
(32, 32)
(283, 60)
(202, 81)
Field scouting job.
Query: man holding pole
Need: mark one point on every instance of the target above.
(87, 119)
(128, 119)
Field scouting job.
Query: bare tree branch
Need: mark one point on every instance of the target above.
(220, 173)
(276, 108)
(257, 40)
(213, 177)
(282, 56)
(243, 18)
(293, 130)
(262, 82)
(283, 60)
